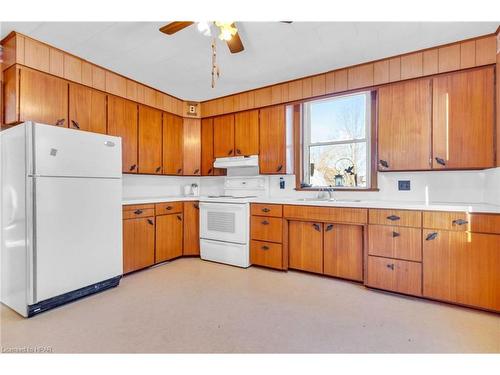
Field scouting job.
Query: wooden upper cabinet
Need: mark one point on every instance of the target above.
(43, 98)
(224, 136)
(87, 109)
(138, 243)
(272, 128)
(343, 251)
(172, 144)
(168, 237)
(305, 246)
(192, 146)
(246, 133)
(404, 126)
(191, 228)
(122, 122)
(207, 147)
(463, 123)
(462, 267)
(150, 140)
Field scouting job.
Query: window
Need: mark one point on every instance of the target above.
(336, 142)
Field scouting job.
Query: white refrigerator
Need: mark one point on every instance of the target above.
(61, 215)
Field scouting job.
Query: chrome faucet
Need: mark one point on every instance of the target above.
(328, 190)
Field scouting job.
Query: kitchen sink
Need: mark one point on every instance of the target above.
(329, 200)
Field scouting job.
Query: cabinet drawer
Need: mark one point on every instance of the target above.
(168, 208)
(266, 228)
(275, 210)
(266, 254)
(395, 275)
(462, 221)
(133, 207)
(335, 214)
(396, 217)
(395, 242)
(139, 212)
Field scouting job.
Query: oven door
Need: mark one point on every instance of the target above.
(227, 222)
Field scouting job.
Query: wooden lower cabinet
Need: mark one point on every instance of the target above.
(138, 243)
(266, 254)
(305, 246)
(462, 267)
(395, 275)
(395, 242)
(266, 228)
(343, 251)
(191, 228)
(169, 229)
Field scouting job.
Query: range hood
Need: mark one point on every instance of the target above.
(237, 162)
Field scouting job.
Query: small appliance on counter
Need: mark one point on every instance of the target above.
(61, 215)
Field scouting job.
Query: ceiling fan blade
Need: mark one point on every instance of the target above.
(173, 27)
(235, 45)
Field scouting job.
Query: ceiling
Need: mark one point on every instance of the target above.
(274, 51)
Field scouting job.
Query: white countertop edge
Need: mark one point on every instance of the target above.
(401, 205)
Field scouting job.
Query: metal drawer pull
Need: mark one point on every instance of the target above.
(384, 163)
(132, 167)
(440, 161)
(316, 226)
(75, 124)
(393, 217)
(138, 212)
(179, 171)
(395, 234)
(179, 217)
(158, 169)
(209, 171)
(390, 266)
(266, 210)
(459, 222)
(431, 236)
(60, 122)
(329, 227)
(265, 247)
(168, 208)
(150, 222)
(230, 152)
(265, 222)
(280, 167)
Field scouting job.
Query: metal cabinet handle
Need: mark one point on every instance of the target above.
(168, 208)
(280, 167)
(230, 152)
(265, 209)
(238, 151)
(179, 217)
(151, 222)
(384, 163)
(196, 205)
(75, 124)
(132, 167)
(179, 171)
(138, 212)
(265, 222)
(459, 222)
(196, 171)
(393, 218)
(158, 169)
(390, 266)
(60, 122)
(395, 234)
(329, 227)
(440, 161)
(316, 226)
(264, 247)
(209, 171)
(431, 236)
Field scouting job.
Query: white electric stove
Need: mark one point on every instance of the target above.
(225, 221)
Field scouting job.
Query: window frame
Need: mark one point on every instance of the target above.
(370, 140)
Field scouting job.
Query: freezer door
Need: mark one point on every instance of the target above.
(78, 233)
(69, 152)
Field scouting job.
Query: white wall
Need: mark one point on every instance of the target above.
(492, 186)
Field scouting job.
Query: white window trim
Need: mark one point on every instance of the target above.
(306, 141)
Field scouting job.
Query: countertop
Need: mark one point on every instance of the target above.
(432, 206)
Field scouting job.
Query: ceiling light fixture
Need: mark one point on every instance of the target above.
(227, 30)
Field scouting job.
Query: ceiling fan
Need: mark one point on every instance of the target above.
(228, 32)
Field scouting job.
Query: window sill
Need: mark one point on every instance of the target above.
(335, 190)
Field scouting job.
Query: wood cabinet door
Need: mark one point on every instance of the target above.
(462, 267)
(396, 275)
(191, 228)
(192, 146)
(150, 140)
(122, 122)
(172, 144)
(272, 128)
(224, 136)
(463, 123)
(138, 243)
(404, 126)
(343, 251)
(207, 147)
(305, 246)
(87, 109)
(246, 133)
(168, 237)
(43, 98)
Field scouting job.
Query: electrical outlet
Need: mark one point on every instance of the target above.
(404, 185)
